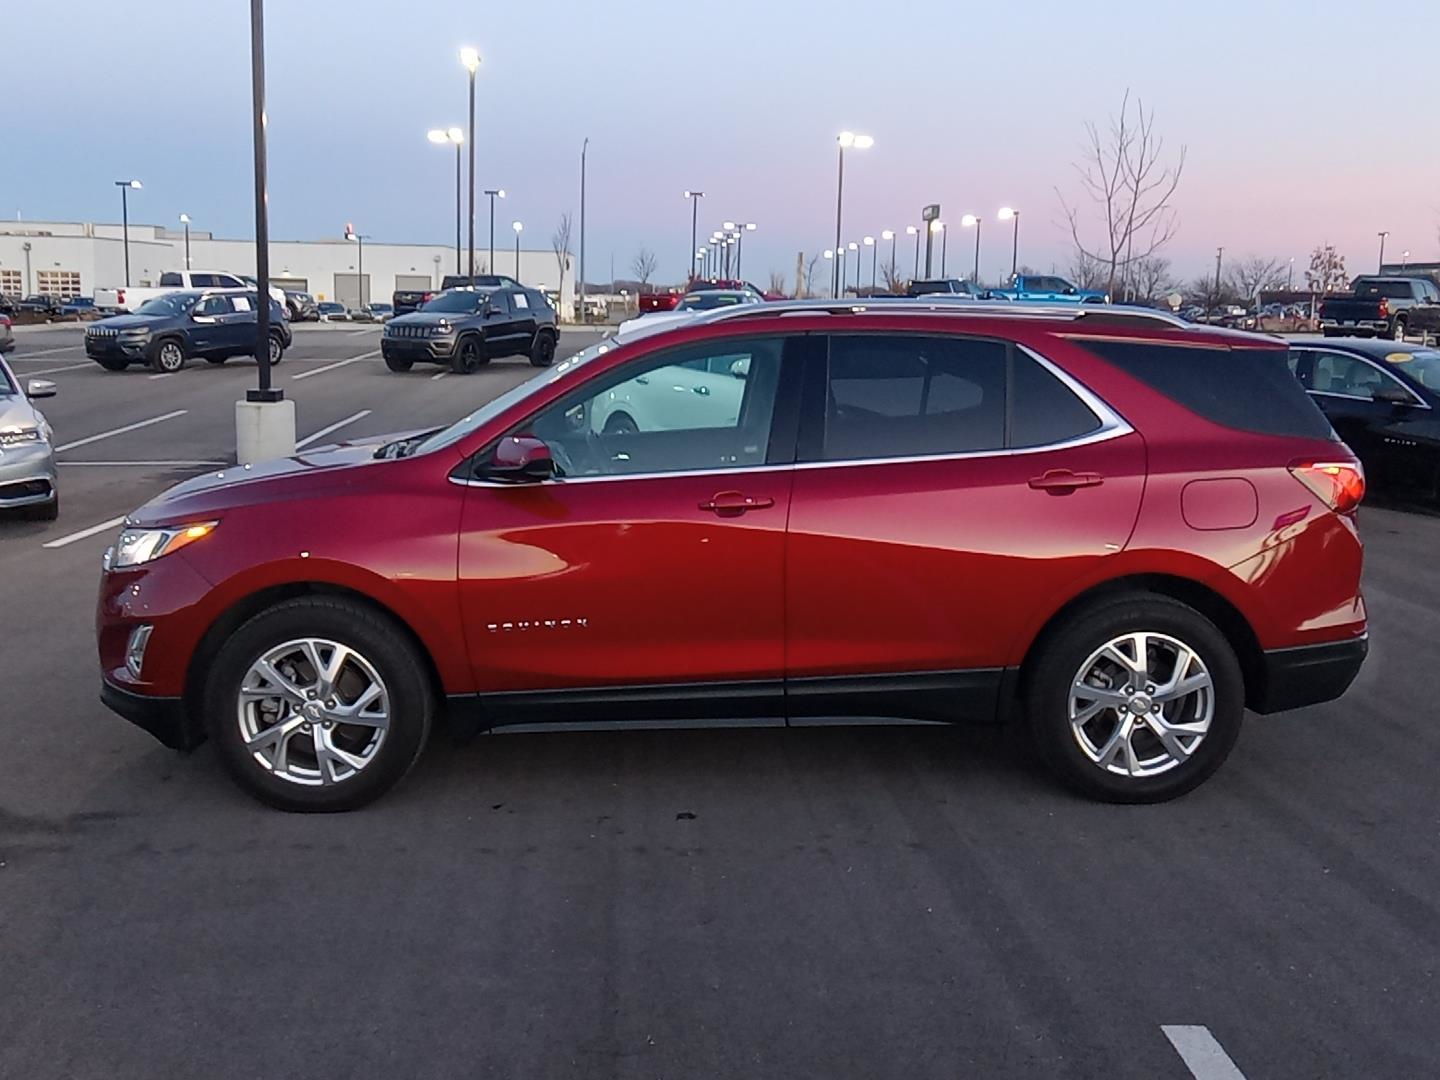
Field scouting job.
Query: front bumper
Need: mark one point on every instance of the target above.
(162, 717)
(417, 348)
(1308, 675)
(116, 348)
(27, 475)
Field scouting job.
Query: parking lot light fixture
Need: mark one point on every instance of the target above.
(1009, 213)
(694, 197)
(913, 230)
(519, 227)
(125, 186)
(441, 137)
(470, 59)
(1382, 234)
(970, 221)
(359, 240)
(889, 234)
(493, 194)
(1404, 259)
(853, 250)
(869, 242)
(937, 227)
(185, 220)
(846, 140)
(739, 234)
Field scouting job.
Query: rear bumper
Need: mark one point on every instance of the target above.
(162, 717)
(1308, 675)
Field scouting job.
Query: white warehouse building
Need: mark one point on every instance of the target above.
(74, 258)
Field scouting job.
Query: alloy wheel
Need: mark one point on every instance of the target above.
(1141, 704)
(312, 711)
(172, 357)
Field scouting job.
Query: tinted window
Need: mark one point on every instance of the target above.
(500, 303)
(1043, 410)
(171, 278)
(459, 302)
(1397, 289)
(905, 396)
(703, 406)
(202, 281)
(1250, 389)
(1348, 376)
(213, 305)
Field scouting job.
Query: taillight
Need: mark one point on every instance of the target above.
(1384, 308)
(1340, 485)
(4, 320)
(119, 297)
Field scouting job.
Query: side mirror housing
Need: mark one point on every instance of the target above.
(40, 388)
(521, 458)
(741, 368)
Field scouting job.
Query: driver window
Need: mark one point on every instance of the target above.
(213, 305)
(706, 406)
(1337, 373)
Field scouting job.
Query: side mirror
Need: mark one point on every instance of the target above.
(741, 368)
(1390, 395)
(40, 388)
(521, 458)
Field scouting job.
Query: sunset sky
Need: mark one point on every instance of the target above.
(1298, 129)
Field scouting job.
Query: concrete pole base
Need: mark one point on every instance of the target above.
(264, 430)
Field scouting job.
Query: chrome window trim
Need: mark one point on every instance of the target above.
(1316, 351)
(1112, 426)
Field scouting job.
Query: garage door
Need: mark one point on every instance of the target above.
(348, 290)
(291, 284)
(413, 282)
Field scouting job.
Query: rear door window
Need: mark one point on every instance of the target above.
(1244, 388)
(1044, 411)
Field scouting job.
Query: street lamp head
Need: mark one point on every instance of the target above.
(127, 183)
(969, 221)
(728, 226)
(888, 234)
(694, 194)
(829, 254)
(852, 246)
(750, 226)
(869, 241)
(937, 226)
(470, 58)
(184, 219)
(134, 183)
(455, 135)
(846, 139)
(501, 193)
(437, 136)
(863, 142)
(911, 230)
(518, 226)
(1007, 212)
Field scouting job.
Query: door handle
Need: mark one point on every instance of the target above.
(734, 503)
(642, 380)
(703, 391)
(1063, 481)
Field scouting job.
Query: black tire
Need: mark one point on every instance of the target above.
(277, 348)
(398, 363)
(1061, 660)
(620, 424)
(45, 511)
(469, 356)
(112, 363)
(411, 700)
(542, 353)
(167, 356)
(1397, 330)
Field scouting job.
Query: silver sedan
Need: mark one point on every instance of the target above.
(27, 455)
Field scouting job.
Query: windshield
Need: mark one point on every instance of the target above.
(493, 408)
(704, 301)
(1422, 365)
(7, 385)
(169, 304)
(462, 300)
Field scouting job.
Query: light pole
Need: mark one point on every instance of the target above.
(351, 234)
(584, 150)
(694, 197)
(830, 257)
(839, 270)
(700, 255)
(125, 186)
(1290, 275)
(854, 256)
(1219, 254)
(845, 139)
(971, 221)
(869, 242)
(493, 193)
(1404, 259)
(470, 59)
(1382, 236)
(937, 226)
(889, 234)
(185, 220)
(911, 230)
(440, 137)
(519, 227)
(740, 230)
(1010, 214)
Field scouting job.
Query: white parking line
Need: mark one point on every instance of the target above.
(85, 534)
(54, 370)
(162, 375)
(357, 333)
(337, 364)
(333, 427)
(120, 430)
(46, 352)
(150, 464)
(1202, 1053)
(435, 378)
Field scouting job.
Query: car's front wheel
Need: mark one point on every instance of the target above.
(398, 363)
(318, 704)
(542, 353)
(468, 357)
(168, 356)
(1137, 699)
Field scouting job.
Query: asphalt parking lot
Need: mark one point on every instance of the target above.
(848, 902)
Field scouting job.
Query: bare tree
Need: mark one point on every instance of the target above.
(1151, 279)
(895, 279)
(1327, 271)
(811, 265)
(777, 282)
(560, 244)
(1248, 276)
(1124, 174)
(643, 266)
(1086, 271)
(1207, 294)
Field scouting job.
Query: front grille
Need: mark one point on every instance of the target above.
(102, 331)
(25, 489)
(410, 331)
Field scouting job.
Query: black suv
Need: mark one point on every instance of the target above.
(466, 328)
(405, 301)
(166, 331)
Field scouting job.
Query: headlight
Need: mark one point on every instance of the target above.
(136, 332)
(443, 328)
(21, 436)
(137, 546)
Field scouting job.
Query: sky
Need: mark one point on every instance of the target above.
(1297, 131)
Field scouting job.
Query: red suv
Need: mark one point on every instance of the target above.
(1119, 528)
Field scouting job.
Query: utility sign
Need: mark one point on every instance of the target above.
(931, 212)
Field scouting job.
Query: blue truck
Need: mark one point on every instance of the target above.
(1046, 288)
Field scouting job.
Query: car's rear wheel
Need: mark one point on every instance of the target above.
(277, 349)
(318, 704)
(168, 356)
(397, 363)
(468, 357)
(1397, 331)
(45, 511)
(542, 353)
(1138, 699)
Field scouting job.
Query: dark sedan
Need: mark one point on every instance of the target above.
(1383, 398)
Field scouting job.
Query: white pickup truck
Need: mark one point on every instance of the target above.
(127, 298)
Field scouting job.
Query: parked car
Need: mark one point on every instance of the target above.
(647, 303)
(941, 287)
(28, 477)
(332, 311)
(168, 330)
(373, 313)
(39, 304)
(965, 515)
(467, 328)
(708, 299)
(1382, 398)
(301, 307)
(1383, 307)
(1278, 319)
(7, 305)
(405, 301)
(7, 335)
(129, 298)
(1047, 288)
(78, 306)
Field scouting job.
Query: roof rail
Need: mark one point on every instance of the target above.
(1108, 314)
